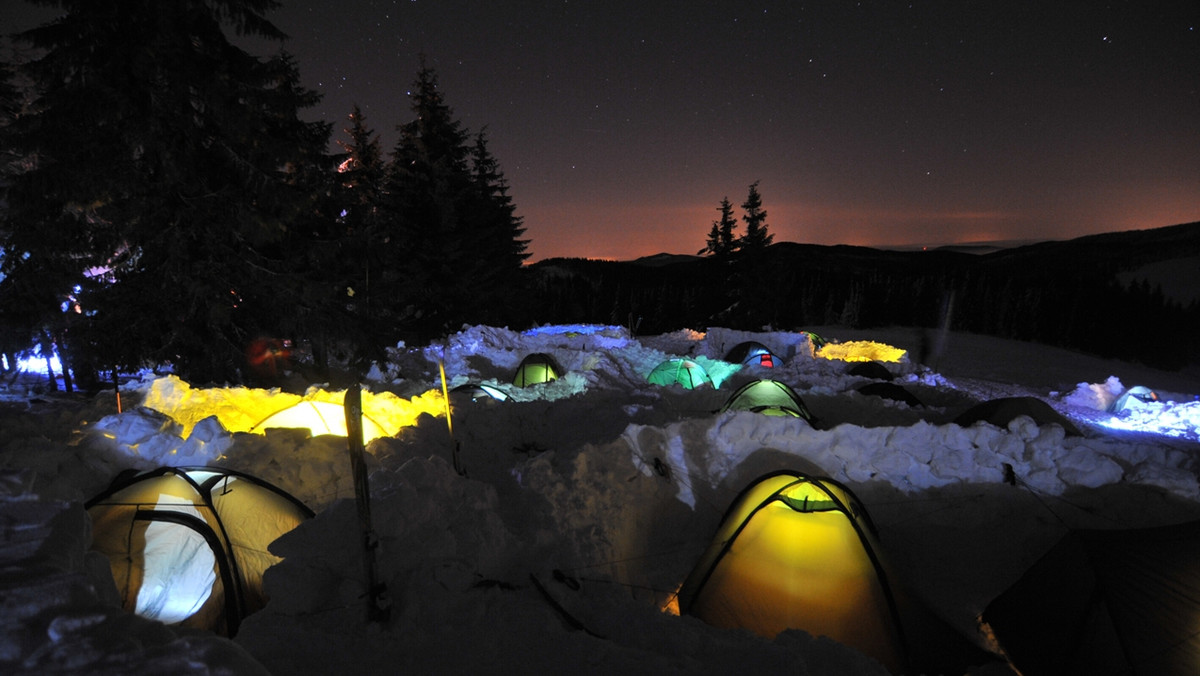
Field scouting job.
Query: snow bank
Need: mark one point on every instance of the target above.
(547, 532)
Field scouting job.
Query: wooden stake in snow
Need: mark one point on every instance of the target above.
(117, 388)
(379, 606)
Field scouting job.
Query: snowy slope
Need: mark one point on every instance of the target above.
(598, 488)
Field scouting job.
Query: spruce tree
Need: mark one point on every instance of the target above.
(455, 238)
(756, 238)
(169, 169)
(427, 180)
(722, 240)
(16, 327)
(498, 250)
(355, 258)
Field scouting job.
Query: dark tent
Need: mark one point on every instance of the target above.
(1106, 602)
(752, 353)
(188, 545)
(890, 391)
(870, 369)
(1000, 412)
(477, 392)
(535, 369)
(769, 397)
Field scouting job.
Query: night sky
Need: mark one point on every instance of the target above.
(621, 125)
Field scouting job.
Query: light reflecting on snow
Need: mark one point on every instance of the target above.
(38, 364)
(1171, 419)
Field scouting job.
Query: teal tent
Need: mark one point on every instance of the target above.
(683, 372)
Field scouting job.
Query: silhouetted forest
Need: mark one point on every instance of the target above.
(1066, 294)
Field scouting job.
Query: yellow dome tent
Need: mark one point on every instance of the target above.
(188, 546)
(795, 552)
(800, 552)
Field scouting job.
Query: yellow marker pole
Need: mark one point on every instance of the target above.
(446, 397)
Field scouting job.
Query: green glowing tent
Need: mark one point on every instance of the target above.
(535, 369)
(678, 371)
(769, 397)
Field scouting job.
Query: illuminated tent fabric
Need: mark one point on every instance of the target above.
(319, 417)
(188, 546)
(1139, 392)
(752, 353)
(1106, 602)
(537, 368)
(679, 372)
(816, 341)
(769, 397)
(798, 552)
(1000, 412)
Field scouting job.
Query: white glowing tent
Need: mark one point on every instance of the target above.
(188, 546)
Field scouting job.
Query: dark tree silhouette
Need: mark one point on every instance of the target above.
(167, 166)
(458, 240)
(756, 238)
(722, 237)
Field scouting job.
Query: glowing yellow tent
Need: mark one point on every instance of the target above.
(188, 546)
(798, 552)
(319, 417)
(536, 369)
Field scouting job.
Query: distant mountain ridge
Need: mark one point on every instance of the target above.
(1072, 293)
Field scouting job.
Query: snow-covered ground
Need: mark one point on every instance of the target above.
(599, 488)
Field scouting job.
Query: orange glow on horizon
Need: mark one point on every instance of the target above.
(632, 231)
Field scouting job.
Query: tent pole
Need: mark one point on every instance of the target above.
(378, 604)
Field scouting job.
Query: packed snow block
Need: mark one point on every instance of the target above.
(208, 440)
(1177, 481)
(27, 524)
(1081, 466)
